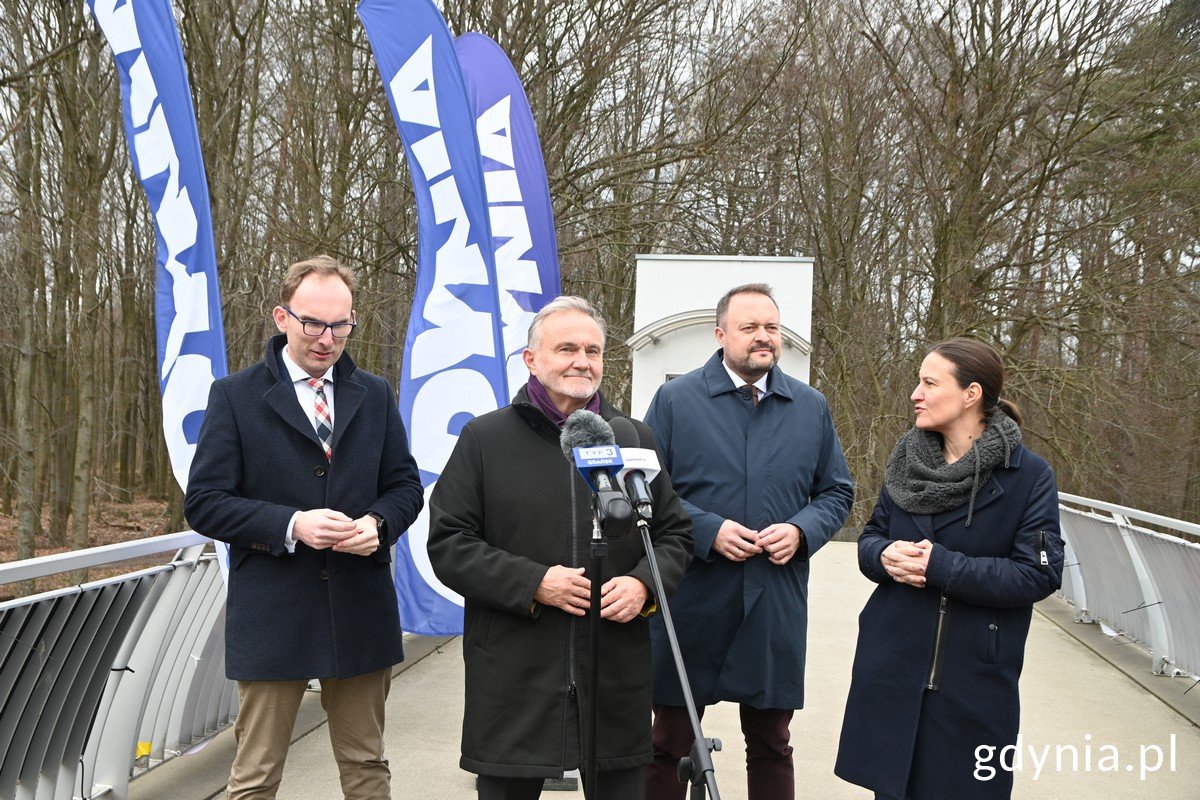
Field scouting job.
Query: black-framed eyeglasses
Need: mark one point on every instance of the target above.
(315, 328)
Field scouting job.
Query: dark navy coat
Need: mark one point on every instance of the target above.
(901, 738)
(314, 613)
(742, 626)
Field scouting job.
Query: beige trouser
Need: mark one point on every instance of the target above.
(267, 713)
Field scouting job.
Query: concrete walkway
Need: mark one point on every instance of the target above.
(1073, 699)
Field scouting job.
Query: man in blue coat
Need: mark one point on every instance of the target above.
(758, 466)
(303, 467)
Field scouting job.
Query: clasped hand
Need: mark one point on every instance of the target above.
(621, 598)
(907, 561)
(738, 543)
(324, 528)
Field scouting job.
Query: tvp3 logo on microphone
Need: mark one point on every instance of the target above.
(602, 460)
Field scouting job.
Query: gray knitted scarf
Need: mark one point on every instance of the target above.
(921, 482)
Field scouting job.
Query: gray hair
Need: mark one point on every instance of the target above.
(564, 302)
(745, 288)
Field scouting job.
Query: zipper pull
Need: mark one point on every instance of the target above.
(1045, 560)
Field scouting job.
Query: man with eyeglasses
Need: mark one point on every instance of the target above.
(303, 468)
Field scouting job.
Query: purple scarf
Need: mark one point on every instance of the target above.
(539, 398)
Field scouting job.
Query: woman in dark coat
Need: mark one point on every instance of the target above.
(964, 539)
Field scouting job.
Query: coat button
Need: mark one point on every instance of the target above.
(325, 577)
(992, 627)
(320, 472)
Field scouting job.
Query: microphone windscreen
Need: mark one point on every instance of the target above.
(585, 429)
(627, 435)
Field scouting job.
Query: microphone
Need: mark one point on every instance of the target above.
(639, 468)
(589, 442)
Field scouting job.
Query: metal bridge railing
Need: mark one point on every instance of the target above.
(1138, 582)
(100, 680)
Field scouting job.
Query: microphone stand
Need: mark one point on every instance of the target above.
(610, 512)
(697, 768)
(599, 551)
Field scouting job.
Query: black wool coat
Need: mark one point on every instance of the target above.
(506, 508)
(902, 738)
(312, 613)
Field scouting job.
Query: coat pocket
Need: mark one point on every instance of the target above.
(236, 556)
(993, 640)
(482, 628)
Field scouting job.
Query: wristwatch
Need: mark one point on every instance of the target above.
(380, 526)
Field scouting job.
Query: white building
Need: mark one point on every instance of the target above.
(675, 314)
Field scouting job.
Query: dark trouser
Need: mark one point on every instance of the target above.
(769, 773)
(621, 784)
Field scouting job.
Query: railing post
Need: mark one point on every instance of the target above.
(1078, 588)
(1152, 601)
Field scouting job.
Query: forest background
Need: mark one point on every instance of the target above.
(1023, 171)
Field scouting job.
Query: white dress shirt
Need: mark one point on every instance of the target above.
(307, 396)
(305, 393)
(739, 381)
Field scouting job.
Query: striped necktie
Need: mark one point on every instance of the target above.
(321, 416)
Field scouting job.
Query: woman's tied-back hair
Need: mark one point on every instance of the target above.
(976, 362)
